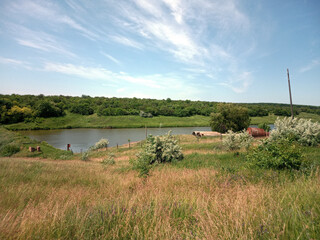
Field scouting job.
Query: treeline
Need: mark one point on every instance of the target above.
(278, 109)
(17, 108)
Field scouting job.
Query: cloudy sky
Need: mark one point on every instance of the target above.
(228, 50)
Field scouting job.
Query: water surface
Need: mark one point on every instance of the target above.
(81, 139)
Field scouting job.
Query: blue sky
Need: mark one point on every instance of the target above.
(228, 50)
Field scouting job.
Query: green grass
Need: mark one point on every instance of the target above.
(13, 144)
(94, 121)
(210, 194)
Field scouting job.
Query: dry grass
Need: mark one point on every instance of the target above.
(52, 199)
(84, 200)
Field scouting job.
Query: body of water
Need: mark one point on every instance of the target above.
(83, 138)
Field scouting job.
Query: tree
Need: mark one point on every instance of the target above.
(82, 108)
(48, 109)
(229, 117)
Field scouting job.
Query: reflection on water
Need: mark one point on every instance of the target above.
(82, 139)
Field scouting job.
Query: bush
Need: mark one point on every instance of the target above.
(279, 154)
(102, 143)
(304, 131)
(9, 150)
(85, 156)
(264, 126)
(145, 115)
(157, 150)
(234, 141)
(229, 117)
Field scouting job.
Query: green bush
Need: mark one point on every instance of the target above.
(157, 150)
(264, 126)
(229, 117)
(234, 141)
(279, 154)
(9, 150)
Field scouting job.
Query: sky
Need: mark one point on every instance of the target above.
(210, 50)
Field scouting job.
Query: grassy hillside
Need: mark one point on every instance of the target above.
(93, 121)
(208, 195)
(15, 145)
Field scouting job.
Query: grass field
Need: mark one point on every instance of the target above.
(94, 121)
(208, 195)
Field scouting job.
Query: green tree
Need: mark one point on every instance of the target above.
(82, 108)
(48, 109)
(229, 117)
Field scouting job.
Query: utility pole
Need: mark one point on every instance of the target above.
(290, 93)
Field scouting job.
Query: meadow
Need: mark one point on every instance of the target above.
(72, 120)
(210, 194)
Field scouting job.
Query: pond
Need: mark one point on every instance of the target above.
(81, 139)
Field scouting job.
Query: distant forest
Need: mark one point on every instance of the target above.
(17, 108)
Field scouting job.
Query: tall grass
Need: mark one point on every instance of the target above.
(199, 199)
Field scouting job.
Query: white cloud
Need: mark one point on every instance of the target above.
(95, 73)
(39, 40)
(197, 34)
(49, 12)
(126, 41)
(15, 62)
(155, 85)
(113, 59)
(314, 63)
(81, 71)
(239, 83)
(10, 61)
(182, 28)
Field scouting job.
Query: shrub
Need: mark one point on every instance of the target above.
(102, 143)
(142, 164)
(229, 116)
(264, 126)
(145, 115)
(9, 150)
(85, 156)
(304, 131)
(279, 154)
(157, 150)
(234, 141)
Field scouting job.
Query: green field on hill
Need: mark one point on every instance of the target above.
(71, 120)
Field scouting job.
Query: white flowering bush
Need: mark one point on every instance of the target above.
(162, 149)
(303, 131)
(157, 150)
(102, 143)
(235, 141)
